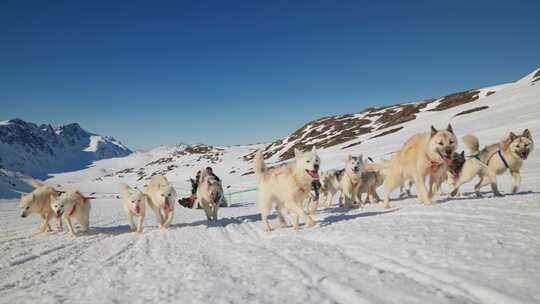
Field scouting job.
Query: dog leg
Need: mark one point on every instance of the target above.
(264, 217)
(419, 181)
(85, 223)
(44, 224)
(131, 223)
(299, 212)
(169, 215)
(295, 221)
(516, 181)
(491, 178)
(375, 195)
(69, 225)
(140, 227)
(281, 218)
(390, 184)
(216, 206)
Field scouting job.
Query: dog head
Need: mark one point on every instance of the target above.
(58, 205)
(166, 195)
(521, 145)
(307, 163)
(134, 197)
(214, 187)
(27, 204)
(443, 143)
(458, 159)
(354, 164)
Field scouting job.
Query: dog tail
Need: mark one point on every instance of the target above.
(123, 188)
(472, 143)
(258, 163)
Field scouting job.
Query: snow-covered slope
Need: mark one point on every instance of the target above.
(461, 250)
(39, 150)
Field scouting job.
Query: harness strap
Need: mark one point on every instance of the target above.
(434, 164)
(503, 160)
(72, 210)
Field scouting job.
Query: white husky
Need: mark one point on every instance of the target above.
(209, 195)
(161, 196)
(39, 202)
(287, 185)
(423, 155)
(350, 181)
(134, 205)
(495, 159)
(72, 204)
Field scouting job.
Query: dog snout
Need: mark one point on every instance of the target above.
(23, 215)
(316, 167)
(448, 151)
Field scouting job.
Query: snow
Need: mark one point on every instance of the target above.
(94, 143)
(461, 250)
(5, 123)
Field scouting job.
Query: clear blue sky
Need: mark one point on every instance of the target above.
(230, 72)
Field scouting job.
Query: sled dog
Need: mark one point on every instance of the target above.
(39, 202)
(372, 178)
(161, 196)
(350, 182)
(72, 204)
(134, 206)
(494, 160)
(209, 195)
(287, 185)
(423, 155)
(330, 185)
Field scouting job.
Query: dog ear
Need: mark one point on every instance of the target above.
(314, 149)
(297, 152)
(527, 134)
(449, 129)
(463, 154)
(349, 157)
(512, 136)
(361, 158)
(433, 131)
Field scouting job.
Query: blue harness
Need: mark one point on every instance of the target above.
(477, 157)
(503, 160)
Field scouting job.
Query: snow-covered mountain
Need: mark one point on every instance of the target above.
(39, 150)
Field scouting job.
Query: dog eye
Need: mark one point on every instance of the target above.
(451, 142)
(440, 143)
(28, 207)
(308, 161)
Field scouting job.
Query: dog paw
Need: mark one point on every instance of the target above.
(514, 189)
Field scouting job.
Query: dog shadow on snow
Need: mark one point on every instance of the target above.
(344, 216)
(467, 196)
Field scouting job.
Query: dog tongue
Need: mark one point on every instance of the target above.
(313, 174)
(448, 161)
(137, 209)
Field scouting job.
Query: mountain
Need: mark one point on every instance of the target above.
(349, 130)
(39, 150)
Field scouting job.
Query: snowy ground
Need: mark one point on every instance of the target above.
(458, 251)
(464, 250)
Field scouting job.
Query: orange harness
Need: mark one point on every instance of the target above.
(435, 166)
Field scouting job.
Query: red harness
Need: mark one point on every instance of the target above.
(435, 166)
